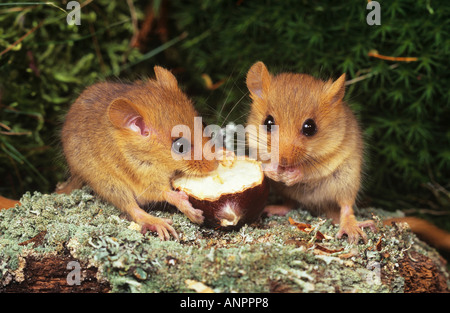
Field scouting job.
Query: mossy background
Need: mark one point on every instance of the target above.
(403, 106)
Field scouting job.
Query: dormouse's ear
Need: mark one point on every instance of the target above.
(258, 79)
(336, 91)
(165, 77)
(123, 114)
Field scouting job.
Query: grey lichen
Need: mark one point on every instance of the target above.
(270, 255)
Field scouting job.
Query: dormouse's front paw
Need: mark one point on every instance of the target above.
(287, 175)
(151, 223)
(290, 175)
(181, 200)
(195, 215)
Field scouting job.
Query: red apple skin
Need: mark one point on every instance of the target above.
(246, 205)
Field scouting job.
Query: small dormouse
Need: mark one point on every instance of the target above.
(117, 138)
(320, 148)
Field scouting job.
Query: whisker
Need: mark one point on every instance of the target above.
(243, 115)
(224, 103)
(226, 117)
(230, 89)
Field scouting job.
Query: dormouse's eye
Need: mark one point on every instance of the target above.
(309, 128)
(181, 145)
(269, 122)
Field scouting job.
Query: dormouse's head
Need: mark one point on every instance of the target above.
(146, 120)
(308, 112)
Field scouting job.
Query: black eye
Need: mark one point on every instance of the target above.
(309, 128)
(269, 122)
(181, 145)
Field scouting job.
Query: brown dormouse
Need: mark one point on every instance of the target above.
(320, 149)
(117, 138)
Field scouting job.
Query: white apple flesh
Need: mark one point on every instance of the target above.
(231, 196)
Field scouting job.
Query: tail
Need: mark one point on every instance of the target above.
(6, 203)
(438, 238)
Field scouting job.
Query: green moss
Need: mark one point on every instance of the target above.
(255, 258)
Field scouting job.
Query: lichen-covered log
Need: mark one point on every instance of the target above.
(50, 273)
(78, 243)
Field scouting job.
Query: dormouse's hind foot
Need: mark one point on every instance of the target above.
(352, 228)
(159, 225)
(151, 223)
(69, 185)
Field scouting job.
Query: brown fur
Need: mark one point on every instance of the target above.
(330, 161)
(330, 183)
(121, 165)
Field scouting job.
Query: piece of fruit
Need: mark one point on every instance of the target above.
(231, 196)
